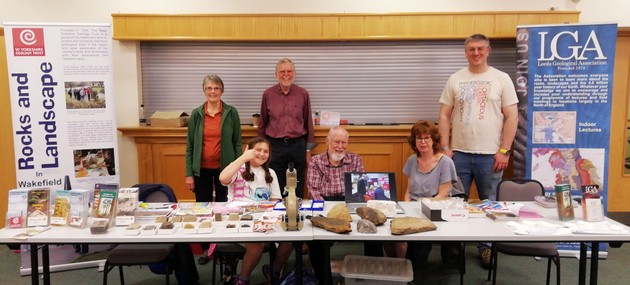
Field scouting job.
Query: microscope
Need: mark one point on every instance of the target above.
(292, 220)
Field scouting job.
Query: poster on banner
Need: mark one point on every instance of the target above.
(564, 84)
(62, 104)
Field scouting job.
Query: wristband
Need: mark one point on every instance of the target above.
(505, 151)
(446, 147)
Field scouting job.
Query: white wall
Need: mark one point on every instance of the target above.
(126, 72)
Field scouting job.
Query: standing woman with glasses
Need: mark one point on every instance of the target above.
(213, 142)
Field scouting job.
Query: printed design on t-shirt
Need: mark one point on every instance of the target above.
(260, 194)
(249, 190)
(471, 94)
(239, 185)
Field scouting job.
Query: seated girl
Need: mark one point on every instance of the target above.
(249, 178)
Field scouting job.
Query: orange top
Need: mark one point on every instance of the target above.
(211, 153)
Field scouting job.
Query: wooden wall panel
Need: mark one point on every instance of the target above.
(161, 152)
(618, 194)
(170, 168)
(7, 167)
(314, 27)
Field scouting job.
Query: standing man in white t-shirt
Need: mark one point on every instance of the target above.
(479, 104)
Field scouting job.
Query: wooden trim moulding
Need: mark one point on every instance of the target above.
(384, 132)
(329, 27)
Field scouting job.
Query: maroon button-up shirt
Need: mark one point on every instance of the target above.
(286, 115)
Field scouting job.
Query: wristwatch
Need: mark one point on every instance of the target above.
(505, 151)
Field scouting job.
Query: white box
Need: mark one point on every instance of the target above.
(206, 227)
(230, 227)
(188, 228)
(246, 227)
(369, 270)
(132, 230)
(149, 230)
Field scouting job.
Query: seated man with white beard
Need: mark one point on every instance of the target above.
(326, 170)
(325, 182)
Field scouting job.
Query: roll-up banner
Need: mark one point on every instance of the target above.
(564, 83)
(62, 105)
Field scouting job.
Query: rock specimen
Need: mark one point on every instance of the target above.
(332, 225)
(167, 226)
(387, 207)
(373, 215)
(411, 225)
(366, 226)
(340, 211)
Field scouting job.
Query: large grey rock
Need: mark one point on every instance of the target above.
(366, 227)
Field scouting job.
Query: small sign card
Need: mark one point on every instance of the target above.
(328, 118)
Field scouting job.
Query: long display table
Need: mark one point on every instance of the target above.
(472, 230)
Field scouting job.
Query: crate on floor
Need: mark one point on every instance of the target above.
(369, 270)
(335, 270)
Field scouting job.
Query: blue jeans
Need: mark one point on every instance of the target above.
(478, 167)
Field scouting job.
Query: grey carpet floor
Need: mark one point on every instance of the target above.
(512, 270)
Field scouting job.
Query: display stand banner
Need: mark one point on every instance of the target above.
(60, 78)
(62, 105)
(564, 82)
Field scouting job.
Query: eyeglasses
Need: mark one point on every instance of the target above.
(425, 140)
(210, 88)
(477, 49)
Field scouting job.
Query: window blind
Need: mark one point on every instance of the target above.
(367, 82)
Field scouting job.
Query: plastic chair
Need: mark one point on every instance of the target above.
(138, 254)
(523, 190)
(143, 254)
(224, 251)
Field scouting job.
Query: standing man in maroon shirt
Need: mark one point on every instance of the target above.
(285, 119)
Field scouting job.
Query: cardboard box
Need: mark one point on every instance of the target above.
(433, 214)
(169, 119)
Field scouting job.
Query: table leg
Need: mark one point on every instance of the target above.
(299, 273)
(462, 262)
(326, 257)
(583, 258)
(34, 265)
(46, 264)
(594, 262)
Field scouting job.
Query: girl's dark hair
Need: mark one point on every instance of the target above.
(248, 175)
(427, 128)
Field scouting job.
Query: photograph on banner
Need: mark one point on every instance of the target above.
(554, 127)
(574, 166)
(85, 95)
(94, 162)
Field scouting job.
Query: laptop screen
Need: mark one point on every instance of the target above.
(363, 186)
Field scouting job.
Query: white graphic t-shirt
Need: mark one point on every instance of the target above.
(252, 191)
(477, 100)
